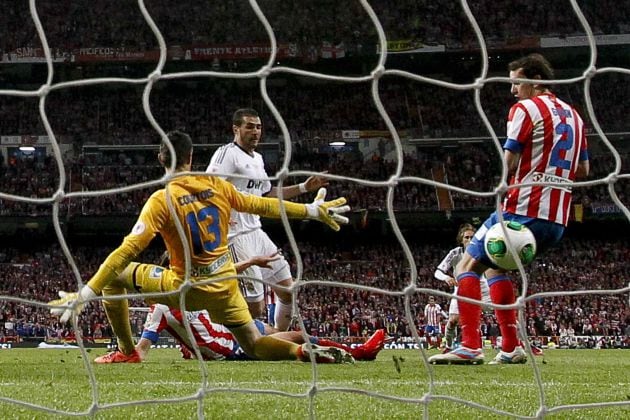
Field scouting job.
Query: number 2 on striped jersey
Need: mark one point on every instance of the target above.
(565, 143)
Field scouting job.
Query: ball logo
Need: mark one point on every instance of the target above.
(138, 228)
(520, 237)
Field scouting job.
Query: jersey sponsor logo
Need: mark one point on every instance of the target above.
(543, 177)
(138, 228)
(156, 272)
(254, 184)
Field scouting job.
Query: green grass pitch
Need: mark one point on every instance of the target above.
(58, 380)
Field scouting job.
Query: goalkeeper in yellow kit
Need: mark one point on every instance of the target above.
(201, 207)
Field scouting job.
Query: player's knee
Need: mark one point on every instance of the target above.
(257, 309)
(285, 296)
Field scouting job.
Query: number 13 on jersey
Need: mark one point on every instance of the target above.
(205, 232)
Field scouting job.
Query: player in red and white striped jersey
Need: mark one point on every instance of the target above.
(216, 342)
(545, 143)
(433, 314)
(549, 136)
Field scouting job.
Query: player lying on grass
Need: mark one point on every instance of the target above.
(198, 206)
(216, 342)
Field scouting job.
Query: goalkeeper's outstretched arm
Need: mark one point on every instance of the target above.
(328, 212)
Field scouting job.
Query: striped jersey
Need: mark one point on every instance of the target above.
(215, 341)
(247, 173)
(270, 296)
(432, 314)
(549, 135)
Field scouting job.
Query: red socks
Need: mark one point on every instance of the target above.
(469, 313)
(330, 343)
(502, 293)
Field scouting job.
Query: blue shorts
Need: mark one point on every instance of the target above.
(432, 330)
(547, 234)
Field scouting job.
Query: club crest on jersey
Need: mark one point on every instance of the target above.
(156, 272)
(138, 228)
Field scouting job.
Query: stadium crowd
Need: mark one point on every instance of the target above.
(468, 166)
(347, 313)
(315, 113)
(86, 24)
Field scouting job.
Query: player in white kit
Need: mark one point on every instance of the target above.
(446, 272)
(239, 163)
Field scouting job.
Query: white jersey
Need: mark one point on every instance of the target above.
(448, 264)
(447, 268)
(231, 160)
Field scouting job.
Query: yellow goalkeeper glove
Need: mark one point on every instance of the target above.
(70, 303)
(328, 212)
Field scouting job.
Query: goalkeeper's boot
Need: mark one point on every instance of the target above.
(537, 351)
(516, 356)
(324, 354)
(461, 355)
(370, 349)
(119, 357)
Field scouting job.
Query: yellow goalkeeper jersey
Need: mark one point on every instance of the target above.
(202, 204)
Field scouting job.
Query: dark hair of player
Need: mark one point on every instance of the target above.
(183, 148)
(533, 65)
(239, 114)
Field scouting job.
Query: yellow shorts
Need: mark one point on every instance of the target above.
(222, 299)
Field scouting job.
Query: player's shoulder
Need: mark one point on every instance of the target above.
(454, 252)
(223, 152)
(524, 105)
(227, 146)
(157, 196)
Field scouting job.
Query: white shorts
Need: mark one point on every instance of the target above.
(252, 244)
(453, 308)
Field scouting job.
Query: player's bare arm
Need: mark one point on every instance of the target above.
(261, 261)
(511, 160)
(312, 183)
(583, 169)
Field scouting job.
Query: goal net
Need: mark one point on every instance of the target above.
(445, 108)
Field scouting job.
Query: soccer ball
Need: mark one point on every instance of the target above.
(521, 238)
